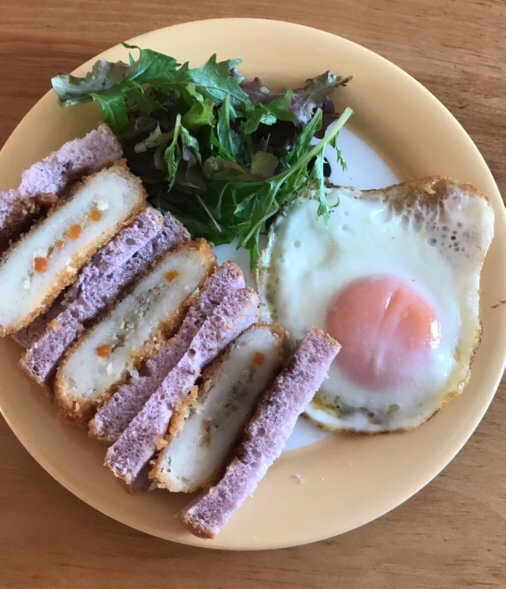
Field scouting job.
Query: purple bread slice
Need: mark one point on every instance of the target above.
(98, 280)
(47, 180)
(27, 336)
(171, 234)
(265, 435)
(97, 286)
(129, 456)
(114, 417)
(79, 157)
(7, 201)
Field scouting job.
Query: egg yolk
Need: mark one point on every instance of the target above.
(386, 330)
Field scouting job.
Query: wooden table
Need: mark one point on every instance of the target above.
(453, 533)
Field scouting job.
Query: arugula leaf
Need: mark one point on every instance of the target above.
(114, 109)
(183, 151)
(213, 80)
(267, 114)
(103, 75)
(303, 140)
(199, 115)
(227, 141)
(172, 154)
(155, 139)
(151, 67)
(141, 101)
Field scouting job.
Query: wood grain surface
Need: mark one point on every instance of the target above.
(453, 533)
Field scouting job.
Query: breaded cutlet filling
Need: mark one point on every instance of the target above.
(106, 354)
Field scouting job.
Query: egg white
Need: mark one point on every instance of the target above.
(430, 244)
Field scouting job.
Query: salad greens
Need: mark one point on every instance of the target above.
(220, 153)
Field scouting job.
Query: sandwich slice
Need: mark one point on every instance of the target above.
(204, 433)
(129, 456)
(46, 181)
(105, 355)
(46, 260)
(114, 416)
(109, 271)
(265, 435)
(98, 285)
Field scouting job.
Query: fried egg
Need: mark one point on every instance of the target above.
(395, 279)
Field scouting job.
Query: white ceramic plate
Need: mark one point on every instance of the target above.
(348, 480)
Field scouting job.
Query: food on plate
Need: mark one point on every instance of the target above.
(146, 311)
(142, 339)
(113, 268)
(220, 153)
(206, 429)
(27, 336)
(90, 280)
(47, 181)
(95, 288)
(17, 214)
(265, 435)
(131, 331)
(397, 285)
(46, 260)
(129, 456)
(115, 415)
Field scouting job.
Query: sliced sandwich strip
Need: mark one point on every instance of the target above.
(97, 277)
(98, 286)
(203, 434)
(129, 456)
(114, 417)
(111, 270)
(266, 434)
(132, 330)
(45, 181)
(46, 260)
